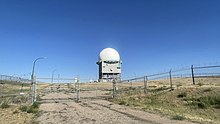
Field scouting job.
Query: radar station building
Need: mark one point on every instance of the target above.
(109, 65)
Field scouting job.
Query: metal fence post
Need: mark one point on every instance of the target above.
(75, 83)
(145, 84)
(193, 78)
(78, 90)
(35, 97)
(33, 89)
(171, 83)
(113, 88)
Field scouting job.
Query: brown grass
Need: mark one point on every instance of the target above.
(186, 101)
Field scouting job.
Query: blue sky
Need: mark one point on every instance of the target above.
(150, 35)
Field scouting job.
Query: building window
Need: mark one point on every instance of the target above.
(118, 67)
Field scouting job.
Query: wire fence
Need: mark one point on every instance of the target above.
(171, 79)
(13, 79)
(14, 89)
(11, 86)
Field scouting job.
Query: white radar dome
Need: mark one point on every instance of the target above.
(109, 54)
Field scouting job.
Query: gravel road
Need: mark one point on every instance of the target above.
(59, 107)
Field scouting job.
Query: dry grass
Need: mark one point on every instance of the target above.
(14, 88)
(41, 86)
(13, 115)
(11, 101)
(96, 86)
(192, 102)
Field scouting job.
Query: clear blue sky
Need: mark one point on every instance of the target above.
(150, 35)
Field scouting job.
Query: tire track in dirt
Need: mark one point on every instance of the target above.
(92, 109)
(127, 114)
(118, 111)
(68, 113)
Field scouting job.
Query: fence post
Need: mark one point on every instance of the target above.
(145, 85)
(113, 88)
(33, 89)
(78, 91)
(171, 83)
(193, 78)
(1, 79)
(76, 84)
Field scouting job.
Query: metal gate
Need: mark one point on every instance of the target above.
(71, 90)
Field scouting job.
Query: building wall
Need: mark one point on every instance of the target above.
(109, 71)
(108, 67)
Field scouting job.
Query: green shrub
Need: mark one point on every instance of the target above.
(200, 84)
(15, 112)
(122, 103)
(208, 90)
(201, 102)
(23, 108)
(30, 109)
(217, 100)
(181, 95)
(202, 105)
(178, 117)
(206, 101)
(153, 100)
(35, 105)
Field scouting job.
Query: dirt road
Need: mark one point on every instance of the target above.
(59, 107)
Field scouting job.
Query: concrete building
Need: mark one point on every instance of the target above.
(109, 65)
